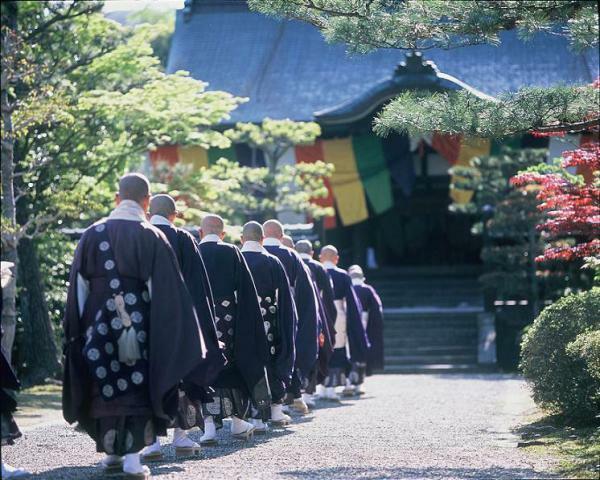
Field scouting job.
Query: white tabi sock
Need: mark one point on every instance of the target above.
(181, 439)
(320, 390)
(155, 447)
(210, 431)
(239, 426)
(13, 472)
(330, 392)
(132, 463)
(308, 399)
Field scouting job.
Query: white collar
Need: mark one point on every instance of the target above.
(305, 256)
(358, 281)
(128, 210)
(211, 237)
(328, 265)
(159, 220)
(271, 242)
(252, 246)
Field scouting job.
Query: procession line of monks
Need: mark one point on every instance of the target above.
(164, 332)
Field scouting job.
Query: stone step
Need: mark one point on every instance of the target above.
(430, 359)
(435, 368)
(420, 334)
(427, 350)
(433, 323)
(469, 341)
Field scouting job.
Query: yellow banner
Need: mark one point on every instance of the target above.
(469, 148)
(346, 183)
(193, 155)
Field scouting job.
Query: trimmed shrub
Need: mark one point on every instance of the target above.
(587, 347)
(555, 361)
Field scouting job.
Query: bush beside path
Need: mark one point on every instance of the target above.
(406, 426)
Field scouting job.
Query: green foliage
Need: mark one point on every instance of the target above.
(422, 24)
(551, 361)
(163, 26)
(56, 252)
(507, 217)
(80, 124)
(586, 347)
(460, 112)
(241, 193)
(274, 137)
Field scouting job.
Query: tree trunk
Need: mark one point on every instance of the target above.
(37, 346)
(271, 186)
(9, 221)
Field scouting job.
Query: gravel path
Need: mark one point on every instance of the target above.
(406, 426)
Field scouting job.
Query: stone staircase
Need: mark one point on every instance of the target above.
(430, 318)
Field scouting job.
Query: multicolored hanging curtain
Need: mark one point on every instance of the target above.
(310, 154)
(193, 155)
(345, 181)
(399, 161)
(469, 148)
(373, 171)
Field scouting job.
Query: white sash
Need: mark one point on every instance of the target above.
(341, 336)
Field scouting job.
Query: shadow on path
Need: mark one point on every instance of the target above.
(348, 473)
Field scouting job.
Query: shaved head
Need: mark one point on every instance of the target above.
(252, 231)
(212, 224)
(304, 246)
(163, 205)
(134, 186)
(273, 229)
(329, 254)
(287, 241)
(356, 272)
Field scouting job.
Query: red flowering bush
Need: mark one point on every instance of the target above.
(571, 205)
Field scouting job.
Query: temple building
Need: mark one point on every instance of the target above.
(391, 195)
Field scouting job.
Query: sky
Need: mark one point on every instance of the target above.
(130, 5)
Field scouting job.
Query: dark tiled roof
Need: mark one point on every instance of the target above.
(288, 70)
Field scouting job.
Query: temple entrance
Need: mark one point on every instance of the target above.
(419, 230)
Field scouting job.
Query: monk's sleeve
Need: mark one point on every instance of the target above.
(375, 331)
(328, 301)
(177, 347)
(307, 338)
(253, 339)
(194, 274)
(76, 377)
(287, 324)
(357, 337)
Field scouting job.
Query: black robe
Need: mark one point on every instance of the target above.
(196, 280)
(305, 297)
(175, 347)
(327, 313)
(371, 304)
(357, 338)
(278, 311)
(233, 290)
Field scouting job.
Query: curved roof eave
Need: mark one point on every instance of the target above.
(427, 77)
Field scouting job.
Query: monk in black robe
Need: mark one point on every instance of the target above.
(279, 315)
(240, 328)
(372, 318)
(131, 332)
(163, 212)
(305, 298)
(327, 314)
(351, 343)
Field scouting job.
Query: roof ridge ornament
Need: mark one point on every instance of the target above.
(415, 65)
